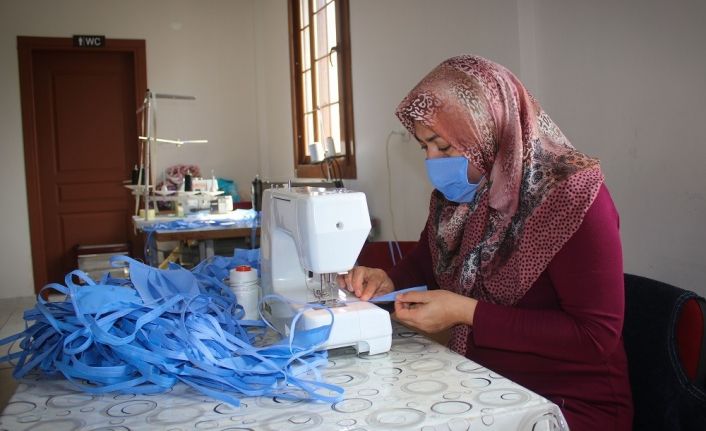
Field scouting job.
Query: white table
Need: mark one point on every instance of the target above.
(417, 385)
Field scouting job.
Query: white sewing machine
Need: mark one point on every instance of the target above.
(310, 235)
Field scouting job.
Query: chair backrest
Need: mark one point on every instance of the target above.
(665, 342)
(384, 254)
(691, 339)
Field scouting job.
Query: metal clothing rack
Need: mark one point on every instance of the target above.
(147, 139)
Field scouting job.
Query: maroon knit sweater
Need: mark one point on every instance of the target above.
(563, 338)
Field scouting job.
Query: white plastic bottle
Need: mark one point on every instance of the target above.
(246, 287)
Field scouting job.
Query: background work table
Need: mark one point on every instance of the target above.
(418, 384)
(236, 227)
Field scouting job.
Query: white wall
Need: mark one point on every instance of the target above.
(274, 100)
(626, 81)
(395, 43)
(204, 49)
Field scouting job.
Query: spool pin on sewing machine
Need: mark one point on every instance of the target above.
(310, 235)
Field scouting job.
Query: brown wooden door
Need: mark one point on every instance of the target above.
(80, 130)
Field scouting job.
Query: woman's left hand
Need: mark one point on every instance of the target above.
(434, 310)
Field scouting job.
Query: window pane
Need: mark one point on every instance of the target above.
(308, 131)
(320, 33)
(305, 47)
(331, 25)
(321, 70)
(322, 82)
(335, 129)
(306, 89)
(333, 77)
(324, 124)
(304, 10)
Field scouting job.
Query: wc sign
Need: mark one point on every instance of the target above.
(89, 41)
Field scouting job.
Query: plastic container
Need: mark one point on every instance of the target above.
(244, 283)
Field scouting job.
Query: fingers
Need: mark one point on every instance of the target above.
(434, 310)
(414, 308)
(366, 282)
(400, 306)
(371, 288)
(413, 297)
(344, 281)
(358, 279)
(406, 312)
(378, 283)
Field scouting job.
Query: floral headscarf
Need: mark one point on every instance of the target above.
(535, 191)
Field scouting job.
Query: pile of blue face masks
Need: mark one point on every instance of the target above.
(220, 266)
(145, 334)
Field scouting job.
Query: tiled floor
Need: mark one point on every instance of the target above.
(11, 322)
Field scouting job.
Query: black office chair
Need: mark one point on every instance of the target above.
(665, 341)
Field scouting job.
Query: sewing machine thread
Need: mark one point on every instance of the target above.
(245, 286)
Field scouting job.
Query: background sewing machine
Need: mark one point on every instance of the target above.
(309, 236)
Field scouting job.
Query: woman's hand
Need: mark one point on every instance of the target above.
(434, 310)
(366, 282)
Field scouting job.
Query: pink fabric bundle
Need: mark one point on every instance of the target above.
(175, 175)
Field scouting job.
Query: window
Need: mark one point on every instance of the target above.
(322, 105)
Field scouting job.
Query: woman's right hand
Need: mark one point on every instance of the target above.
(366, 283)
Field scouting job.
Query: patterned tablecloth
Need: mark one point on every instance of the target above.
(417, 385)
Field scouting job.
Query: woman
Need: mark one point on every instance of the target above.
(521, 245)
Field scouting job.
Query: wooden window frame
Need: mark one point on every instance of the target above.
(303, 166)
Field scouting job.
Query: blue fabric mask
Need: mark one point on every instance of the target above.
(449, 175)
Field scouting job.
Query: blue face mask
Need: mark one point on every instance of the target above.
(449, 175)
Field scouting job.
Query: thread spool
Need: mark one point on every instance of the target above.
(245, 286)
(188, 184)
(135, 176)
(256, 192)
(151, 214)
